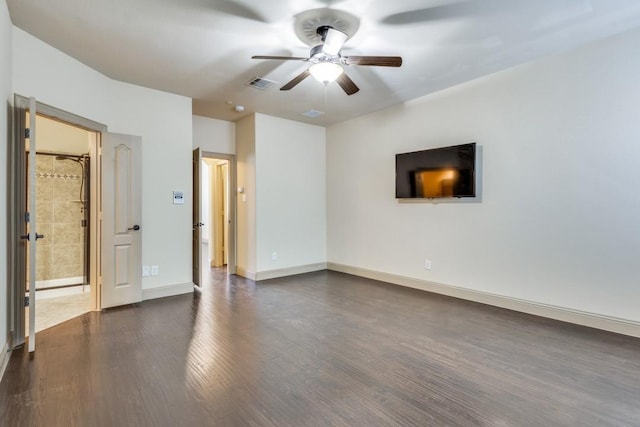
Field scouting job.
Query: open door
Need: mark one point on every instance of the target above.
(121, 216)
(31, 216)
(24, 228)
(196, 234)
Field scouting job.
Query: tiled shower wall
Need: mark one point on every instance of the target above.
(60, 255)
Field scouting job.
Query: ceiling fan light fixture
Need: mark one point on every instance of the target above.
(326, 72)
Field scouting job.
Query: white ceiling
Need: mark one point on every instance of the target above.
(202, 48)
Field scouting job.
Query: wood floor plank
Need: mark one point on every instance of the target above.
(321, 349)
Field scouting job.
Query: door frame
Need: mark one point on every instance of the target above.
(17, 197)
(196, 218)
(232, 224)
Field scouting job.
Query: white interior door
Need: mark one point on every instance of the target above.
(121, 217)
(32, 235)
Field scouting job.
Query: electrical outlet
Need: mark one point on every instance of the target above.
(427, 264)
(154, 270)
(274, 256)
(145, 271)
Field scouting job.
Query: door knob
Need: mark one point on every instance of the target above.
(134, 228)
(27, 236)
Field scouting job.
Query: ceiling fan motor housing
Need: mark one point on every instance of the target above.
(322, 31)
(317, 55)
(307, 24)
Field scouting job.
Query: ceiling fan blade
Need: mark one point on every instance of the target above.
(347, 84)
(333, 41)
(462, 9)
(281, 58)
(300, 77)
(236, 9)
(380, 61)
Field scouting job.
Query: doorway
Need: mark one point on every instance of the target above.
(214, 214)
(63, 191)
(54, 162)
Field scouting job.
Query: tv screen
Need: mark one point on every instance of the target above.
(437, 173)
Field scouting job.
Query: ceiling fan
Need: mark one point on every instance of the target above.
(327, 62)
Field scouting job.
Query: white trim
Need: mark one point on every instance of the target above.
(245, 273)
(167, 291)
(4, 358)
(46, 293)
(290, 271)
(42, 284)
(593, 320)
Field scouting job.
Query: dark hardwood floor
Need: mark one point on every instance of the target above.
(321, 349)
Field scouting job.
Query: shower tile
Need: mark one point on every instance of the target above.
(44, 163)
(71, 270)
(67, 167)
(66, 189)
(44, 262)
(64, 211)
(44, 212)
(68, 254)
(65, 233)
(46, 229)
(44, 272)
(44, 189)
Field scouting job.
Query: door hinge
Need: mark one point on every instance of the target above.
(27, 217)
(27, 133)
(26, 301)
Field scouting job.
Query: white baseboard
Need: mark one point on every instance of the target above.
(593, 320)
(4, 357)
(245, 273)
(167, 291)
(290, 271)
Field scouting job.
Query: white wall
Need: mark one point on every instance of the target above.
(558, 221)
(163, 120)
(7, 101)
(213, 135)
(281, 166)
(291, 193)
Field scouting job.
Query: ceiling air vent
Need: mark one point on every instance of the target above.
(313, 113)
(260, 83)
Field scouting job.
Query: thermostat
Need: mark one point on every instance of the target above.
(178, 197)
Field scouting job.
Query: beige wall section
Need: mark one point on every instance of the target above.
(558, 222)
(214, 136)
(163, 120)
(57, 137)
(246, 200)
(6, 99)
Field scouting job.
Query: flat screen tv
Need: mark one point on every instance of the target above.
(443, 172)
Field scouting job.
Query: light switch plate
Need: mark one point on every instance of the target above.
(145, 271)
